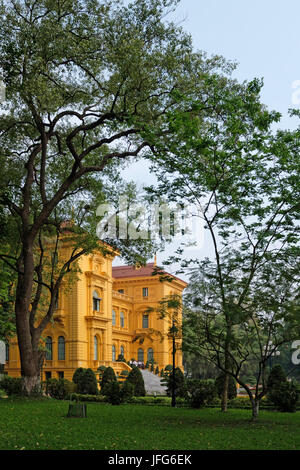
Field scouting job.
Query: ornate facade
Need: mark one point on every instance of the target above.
(101, 316)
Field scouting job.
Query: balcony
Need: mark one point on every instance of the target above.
(118, 295)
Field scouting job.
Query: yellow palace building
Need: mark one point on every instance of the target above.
(101, 316)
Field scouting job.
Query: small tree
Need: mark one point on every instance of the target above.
(86, 381)
(112, 392)
(179, 384)
(136, 378)
(108, 377)
(78, 375)
(127, 391)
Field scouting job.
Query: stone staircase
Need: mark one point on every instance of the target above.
(152, 383)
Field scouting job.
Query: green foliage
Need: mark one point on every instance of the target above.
(116, 393)
(89, 398)
(135, 377)
(201, 392)
(112, 392)
(7, 319)
(108, 377)
(86, 381)
(61, 389)
(11, 385)
(276, 378)
(78, 375)
(285, 395)
(232, 389)
(127, 391)
(179, 383)
(124, 373)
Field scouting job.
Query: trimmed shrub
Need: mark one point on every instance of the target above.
(89, 398)
(136, 378)
(78, 374)
(11, 385)
(113, 393)
(107, 377)
(201, 392)
(156, 370)
(60, 389)
(284, 396)
(86, 381)
(232, 391)
(180, 385)
(126, 392)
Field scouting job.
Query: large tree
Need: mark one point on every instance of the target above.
(88, 85)
(266, 320)
(242, 182)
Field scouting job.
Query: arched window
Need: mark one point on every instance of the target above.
(96, 301)
(122, 320)
(122, 352)
(113, 352)
(113, 317)
(150, 354)
(95, 348)
(49, 348)
(61, 348)
(140, 355)
(145, 321)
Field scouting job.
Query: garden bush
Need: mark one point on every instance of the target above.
(11, 385)
(89, 398)
(201, 392)
(126, 392)
(180, 383)
(60, 389)
(285, 396)
(113, 393)
(136, 378)
(86, 381)
(107, 377)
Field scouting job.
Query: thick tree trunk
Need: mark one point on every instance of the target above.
(255, 409)
(27, 342)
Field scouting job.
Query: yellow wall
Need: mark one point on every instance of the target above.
(77, 322)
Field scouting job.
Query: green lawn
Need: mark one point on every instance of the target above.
(26, 424)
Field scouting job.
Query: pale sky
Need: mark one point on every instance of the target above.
(263, 36)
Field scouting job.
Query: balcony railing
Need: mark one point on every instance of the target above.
(118, 295)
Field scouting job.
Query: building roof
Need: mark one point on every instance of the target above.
(122, 272)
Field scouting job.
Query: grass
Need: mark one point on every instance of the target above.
(33, 424)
